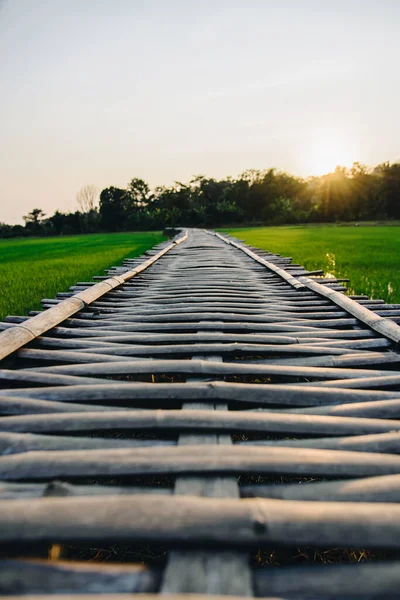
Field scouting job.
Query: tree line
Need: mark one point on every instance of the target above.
(269, 197)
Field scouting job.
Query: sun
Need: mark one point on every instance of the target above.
(329, 149)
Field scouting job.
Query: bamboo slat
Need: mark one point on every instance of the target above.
(212, 391)
(205, 521)
(195, 460)
(383, 326)
(360, 581)
(204, 419)
(203, 407)
(28, 578)
(19, 335)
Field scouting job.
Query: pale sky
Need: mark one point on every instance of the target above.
(100, 91)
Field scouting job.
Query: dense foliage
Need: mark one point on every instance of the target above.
(255, 197)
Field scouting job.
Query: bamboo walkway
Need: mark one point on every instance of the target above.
(202, 408)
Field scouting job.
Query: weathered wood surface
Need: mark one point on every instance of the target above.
(202, 367)
(369, 489)
(383, 326)
(180, 399)
(60, 488)
(362, 581)
(200, 420)
(19, 335)
(208, 572)
(209, 522)
(195, 459)
(27, 578)
(213, 391)
(127, 596)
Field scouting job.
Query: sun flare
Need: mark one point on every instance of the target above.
(328, 150)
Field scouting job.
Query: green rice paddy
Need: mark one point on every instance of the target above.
(368, 255)
(36, 268)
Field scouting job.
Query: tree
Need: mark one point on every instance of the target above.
(34, 216)
(255, 197)
(57, 222)
(389, 176)
(87, 198)
(138, 194)
(33, 223)
(112, 209)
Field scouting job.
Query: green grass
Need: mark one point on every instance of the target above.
(368, 255)
(35, 268)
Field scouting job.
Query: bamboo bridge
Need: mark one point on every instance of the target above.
(212, 410)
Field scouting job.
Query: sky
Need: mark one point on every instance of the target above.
(99, 91)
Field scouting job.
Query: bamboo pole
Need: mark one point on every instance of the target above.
(17, 336)
(382, 325)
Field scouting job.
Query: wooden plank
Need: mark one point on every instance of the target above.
(359, 581)
(194, 460)
(27, 578)
(200, 421)
(382, 325)
(15, 443)
(122, 321)
(17, 405)
(380, 409)
(345, 361)
(14, 338)
(207, 368)
(383, 442)
(17, 491)
(228, 348)
(283, 274)
(123, 345)
(23, 377)
(201, 521)
(124, 596)
(287, 336)
(387, 380)
(213, 391)
(384, 489)
(210, 572)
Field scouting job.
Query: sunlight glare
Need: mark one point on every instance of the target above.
(328, 150)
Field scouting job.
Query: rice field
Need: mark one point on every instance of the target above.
(368, 255)
(36, 268)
